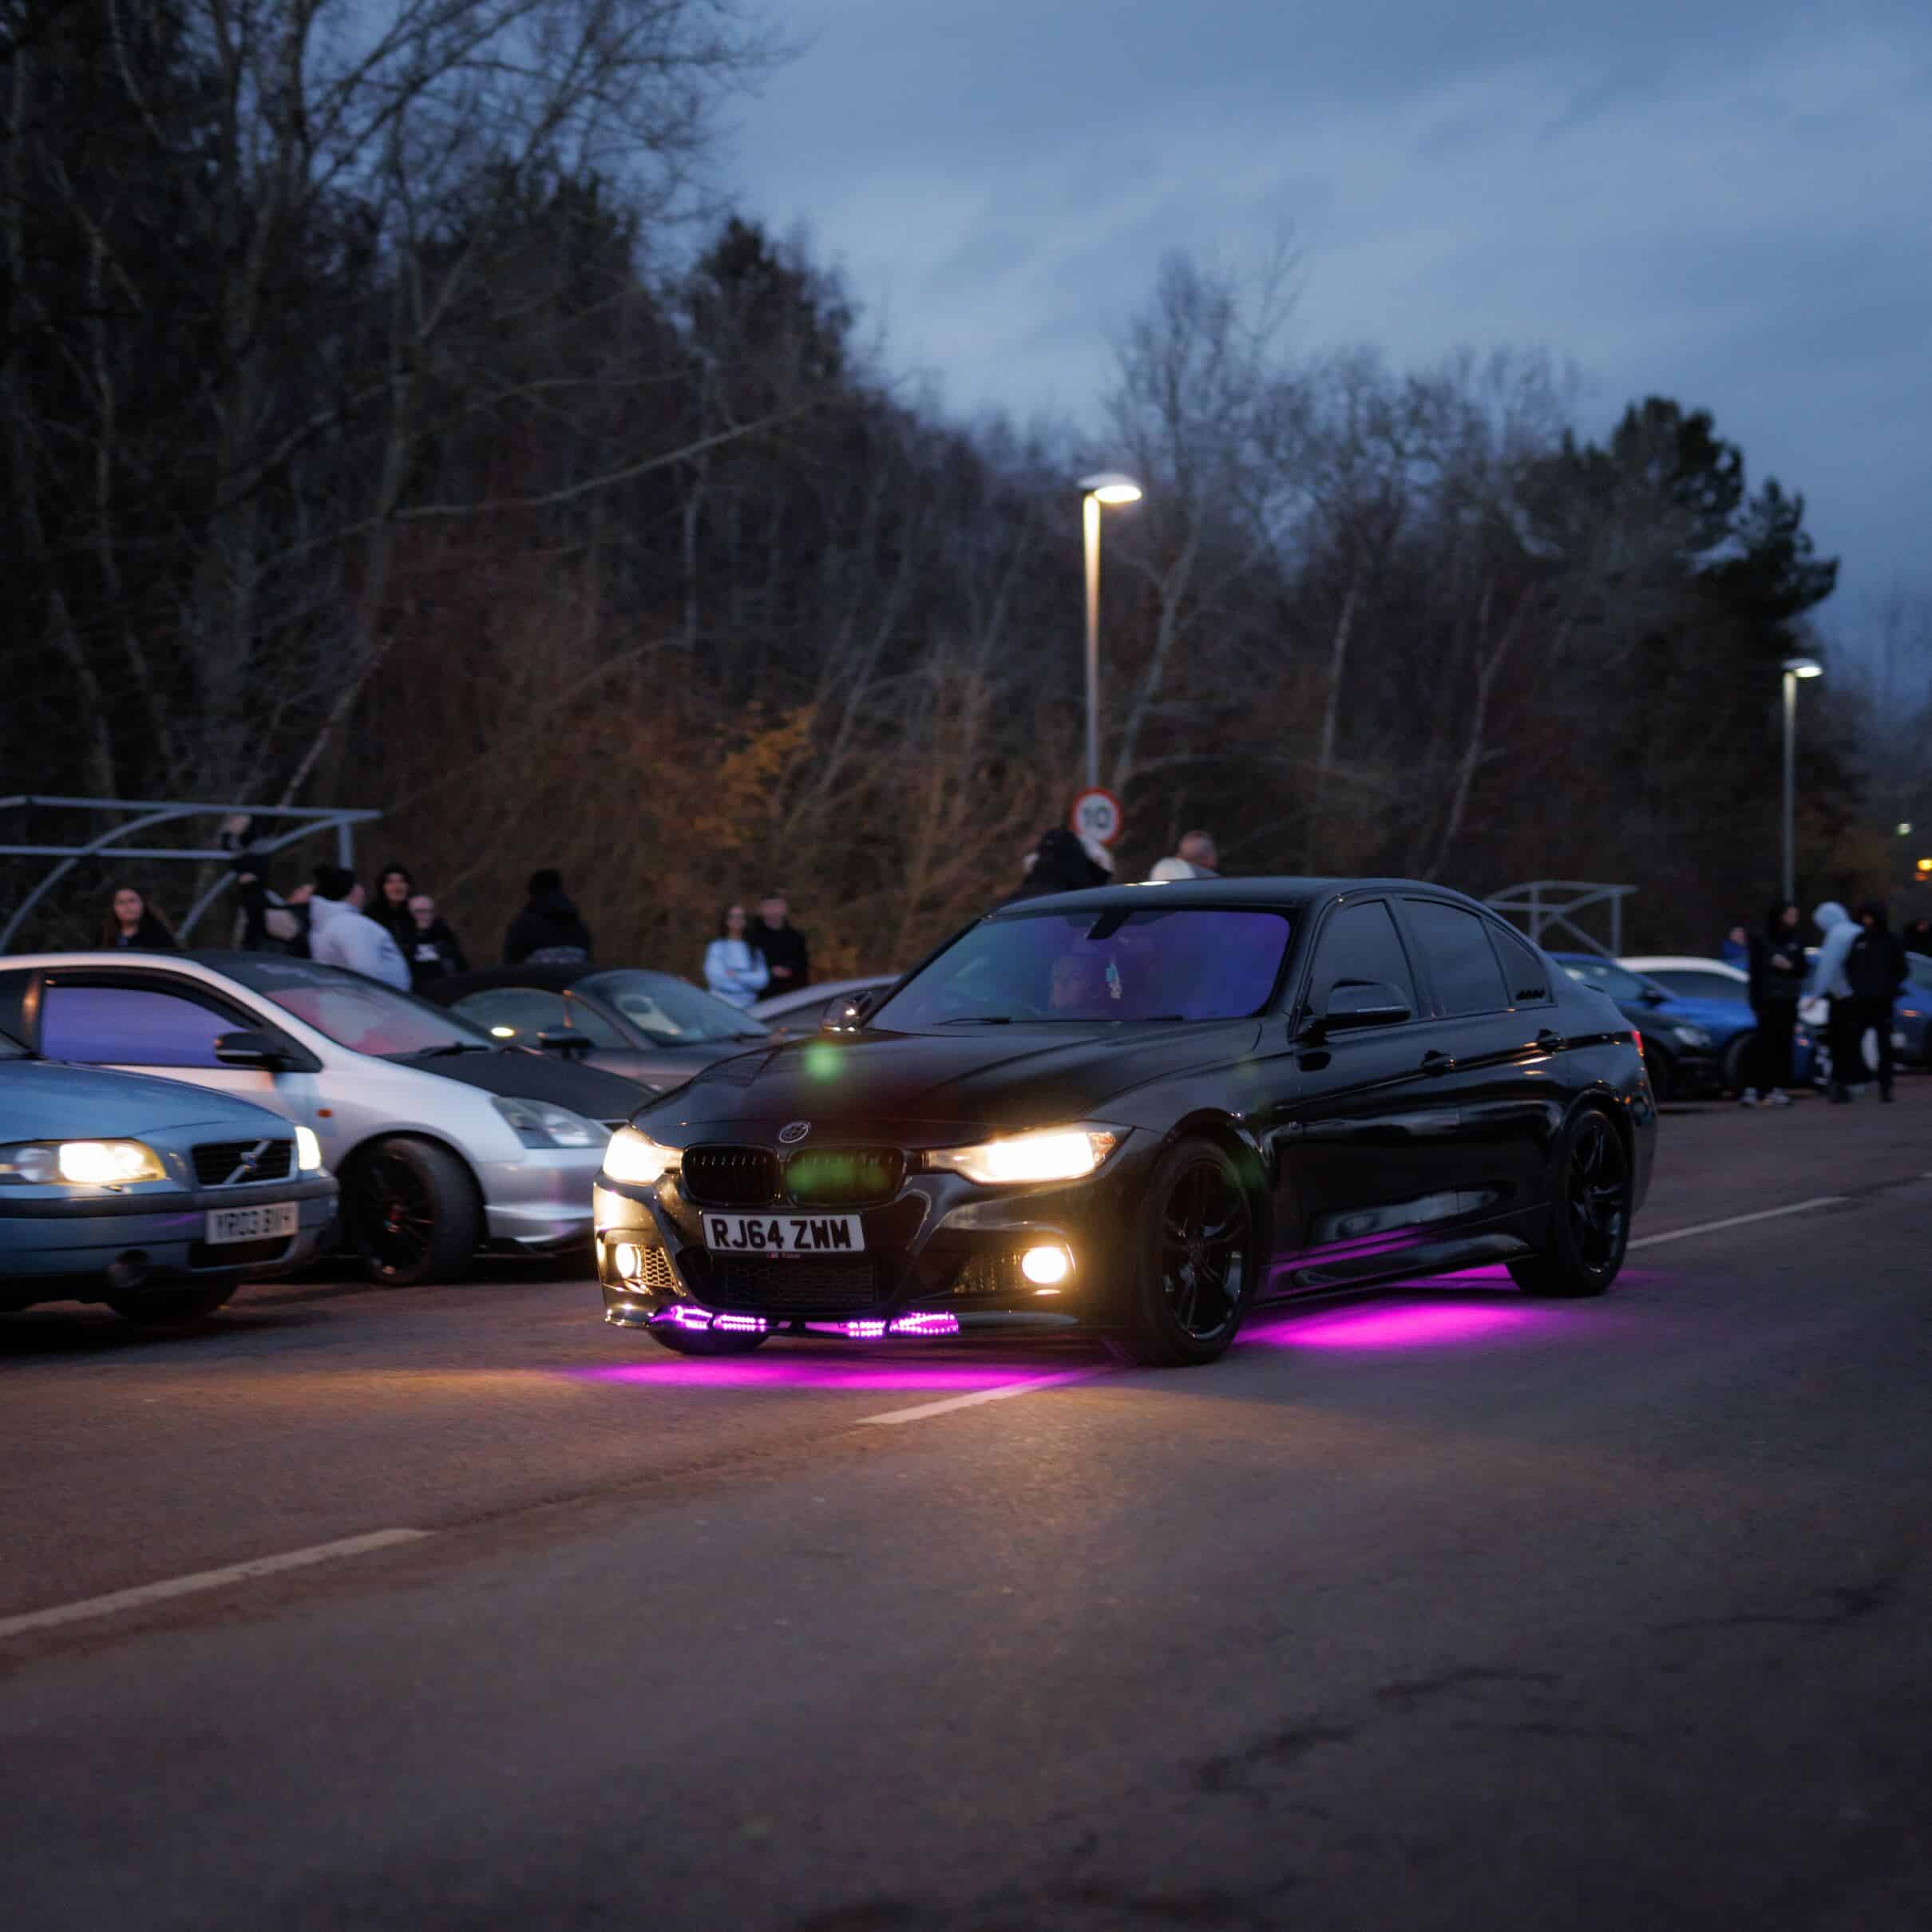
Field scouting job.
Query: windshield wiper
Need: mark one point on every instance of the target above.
(449, 1046)
(978, 1020)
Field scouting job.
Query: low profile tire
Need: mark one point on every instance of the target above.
(702, 1341)
(1589, 1214)
(414, 1214)
(172, 1307)
(1738, 1062)
(1194, 1273)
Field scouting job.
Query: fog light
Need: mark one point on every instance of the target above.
(627, 1258)
(1046, 1267)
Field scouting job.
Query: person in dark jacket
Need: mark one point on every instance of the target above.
(431, 948)
(1777, 980)
(1060, 864)
(133, 926)
(1875, 968)
(389, 908)
(548, 931)
(783, 945)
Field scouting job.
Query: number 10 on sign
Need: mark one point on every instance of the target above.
(1096, 815)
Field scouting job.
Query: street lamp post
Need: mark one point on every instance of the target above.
(1109, 487)
(1794, 668)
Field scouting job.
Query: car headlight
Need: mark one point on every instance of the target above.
(1691, 1036)
(539, 1124)
(308, 1150)
(1052, 1154)
(636, 1157)
(81, 1163)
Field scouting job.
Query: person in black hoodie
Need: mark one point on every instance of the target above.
(1875, 969)
(1777, 980)
(390, 905)
(1059, 864)
(548, 931)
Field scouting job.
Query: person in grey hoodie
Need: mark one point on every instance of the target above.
(1838, 931)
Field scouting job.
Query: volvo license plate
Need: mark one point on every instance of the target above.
(272, 1220)
(785, 1234)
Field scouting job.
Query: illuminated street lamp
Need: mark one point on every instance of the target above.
(1109, 487)
(1794, 668)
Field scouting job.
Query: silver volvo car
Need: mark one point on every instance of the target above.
(444, 1140)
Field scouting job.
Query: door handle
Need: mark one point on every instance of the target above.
(1549, 1040)
(1436, 1061)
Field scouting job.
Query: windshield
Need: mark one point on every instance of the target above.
(10, 1049)
(670, 1012)
(362, 1015)
(1618, 981)
(1097, 968)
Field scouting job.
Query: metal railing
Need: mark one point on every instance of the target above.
(308, 821)
(1541, 903)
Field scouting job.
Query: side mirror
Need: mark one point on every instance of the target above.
(849, 1015)
(1364, 1003)
(1653, 997)
(565, 1040)
(250, 1049)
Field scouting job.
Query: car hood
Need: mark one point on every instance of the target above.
(995, 1079)
(52, 1100)
(518, 1075)
(1714, 1016)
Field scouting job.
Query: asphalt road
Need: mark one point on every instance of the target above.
(1435, 1610)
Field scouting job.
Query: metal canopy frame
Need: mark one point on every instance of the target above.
(1543, 903)
(309, 820)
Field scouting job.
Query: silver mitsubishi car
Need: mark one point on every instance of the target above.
(445, 1142)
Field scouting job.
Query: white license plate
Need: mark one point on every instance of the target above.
(1897, 1039)
(252, 1224)
(785, 1234)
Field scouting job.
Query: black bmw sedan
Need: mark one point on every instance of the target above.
(1144, 1111)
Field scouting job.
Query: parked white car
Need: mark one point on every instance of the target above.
(444, 1140)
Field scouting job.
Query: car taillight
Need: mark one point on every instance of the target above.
(1639, 1038)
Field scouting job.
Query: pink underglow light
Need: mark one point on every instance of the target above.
(804, 1369)
(740, 1325)
(863, 1331)
(1409, 1325)
(684, 1317)
(926, 1325)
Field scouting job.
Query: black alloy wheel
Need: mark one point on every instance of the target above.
(1740, 1057)
(415, 1214)
(1589, 1213)
(1195, 1273)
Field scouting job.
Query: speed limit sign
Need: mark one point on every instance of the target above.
(1096, 815)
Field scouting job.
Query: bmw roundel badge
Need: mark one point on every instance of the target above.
(793, 1132)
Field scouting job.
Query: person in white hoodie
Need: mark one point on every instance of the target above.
(734, 969)
(1838, 930)
(340, 935)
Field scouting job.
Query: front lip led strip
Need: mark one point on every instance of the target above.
(702, 1320)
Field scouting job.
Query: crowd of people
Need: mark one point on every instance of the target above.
(1844, 991)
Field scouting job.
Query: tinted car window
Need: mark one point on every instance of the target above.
(1360, 943)
(1462, 963)
(128, 1026)
(1619, 982)
(515, 1013)
(1525, 969)
(1694, 985)
(670, 1011)
(1095, 967)
(583, 1018)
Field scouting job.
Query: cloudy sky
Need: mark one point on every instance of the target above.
(1728, 201)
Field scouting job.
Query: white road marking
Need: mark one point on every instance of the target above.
(90, 1607)
(1000, 1393)
(1738, 1221)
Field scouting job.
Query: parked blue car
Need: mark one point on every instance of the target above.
(1691, 1045)
(156, 1197)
